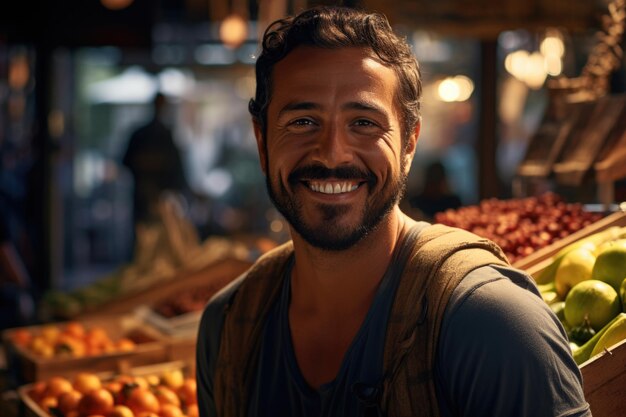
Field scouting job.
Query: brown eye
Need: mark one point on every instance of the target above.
(364, 122)
(302, 122)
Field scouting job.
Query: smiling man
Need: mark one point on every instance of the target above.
(365, 311)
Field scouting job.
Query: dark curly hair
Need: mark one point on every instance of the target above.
(339, 27)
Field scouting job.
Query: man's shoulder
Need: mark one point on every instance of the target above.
(265, 265)
(214, 310)
(497, 328)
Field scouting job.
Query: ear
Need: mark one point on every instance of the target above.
(260, 144)
(411, 146)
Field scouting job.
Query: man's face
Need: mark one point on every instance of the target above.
(333, 154)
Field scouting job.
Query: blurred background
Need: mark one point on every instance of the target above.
(78, 78)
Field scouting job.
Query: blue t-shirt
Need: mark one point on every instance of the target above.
(362, 364)
(501, 352)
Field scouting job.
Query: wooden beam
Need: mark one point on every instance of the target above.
(487, 137)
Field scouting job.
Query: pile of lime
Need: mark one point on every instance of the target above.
(586, 288)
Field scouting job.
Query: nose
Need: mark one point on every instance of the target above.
(333, 148)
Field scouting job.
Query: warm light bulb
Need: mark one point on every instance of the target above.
(233, 31)
(449, 90)
(466, 87)
(116, 4)
(553, 65)
(534, 72)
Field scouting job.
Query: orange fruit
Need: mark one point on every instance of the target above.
(70, 345)
(74, 329)
(166, 395)
(125, 345)
(86, 381)
(68, 401)
(57, 385)
(170, 410)
(192, 410)
(141, 399)
(187, 391)
(97, 401)
(50, 332)
(48, 402)
(173, 378)
(37, 390)
(121, 411)
(141, 381)
(21, 337)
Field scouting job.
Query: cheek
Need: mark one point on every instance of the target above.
(385, 162)
(282, 159)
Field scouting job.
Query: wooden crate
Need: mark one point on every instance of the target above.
(604, 382)
(538, 260)
(183, 349)
(150, 348)
(179, 333)
(604, 375)
(30, 408)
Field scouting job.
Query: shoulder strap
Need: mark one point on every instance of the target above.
(243, 324)
(441, 257)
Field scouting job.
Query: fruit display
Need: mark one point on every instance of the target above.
(585, 285)
(521, 226)
(162, 252)
(71, 339)
(185, 302)
(167, 393)
(100, 344)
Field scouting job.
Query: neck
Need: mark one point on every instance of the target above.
(328, 283)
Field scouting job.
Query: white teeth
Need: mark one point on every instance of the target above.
(329, 188)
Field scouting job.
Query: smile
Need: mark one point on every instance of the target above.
(333, 187)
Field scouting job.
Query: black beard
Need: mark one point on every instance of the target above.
(333, 237)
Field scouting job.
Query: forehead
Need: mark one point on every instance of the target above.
(332, 73)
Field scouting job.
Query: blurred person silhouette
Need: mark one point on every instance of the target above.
(436, 195)
(155, 164)
(16, 301)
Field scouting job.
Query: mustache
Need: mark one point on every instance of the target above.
(320, 172)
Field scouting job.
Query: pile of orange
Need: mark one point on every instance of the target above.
(167, 395)
(70, 339)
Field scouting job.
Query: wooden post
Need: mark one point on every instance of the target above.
(487, 137)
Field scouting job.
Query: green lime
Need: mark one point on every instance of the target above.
(593, 300)
(575, 267)
(610, 265)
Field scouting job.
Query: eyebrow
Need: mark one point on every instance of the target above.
(365, 106)
(353, 105)
(298, 105)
